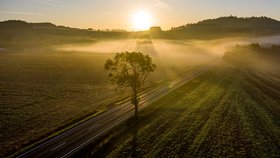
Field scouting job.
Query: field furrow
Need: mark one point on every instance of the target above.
(221, 113)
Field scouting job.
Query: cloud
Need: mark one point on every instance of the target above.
(161, 4)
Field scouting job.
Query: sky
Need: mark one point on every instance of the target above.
(118, 14)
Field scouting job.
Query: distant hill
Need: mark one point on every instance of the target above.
(17, 33)
(14, 24)
(222, 25)
(19, 24)
(232, 24)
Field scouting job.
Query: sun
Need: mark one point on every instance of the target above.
(142, 20)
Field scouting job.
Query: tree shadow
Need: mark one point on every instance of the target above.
(135, 153)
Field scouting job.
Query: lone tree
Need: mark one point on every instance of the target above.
(130, 70)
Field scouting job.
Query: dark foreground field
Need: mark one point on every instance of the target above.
(226, 112)
(229, 112)
(43, 91)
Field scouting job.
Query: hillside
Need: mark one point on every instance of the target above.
(19, 34)
(232, 24)
(19, 24)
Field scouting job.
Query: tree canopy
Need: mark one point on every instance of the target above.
(233, 24)
(129, 69)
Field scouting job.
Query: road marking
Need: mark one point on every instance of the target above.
(65, 133)
(128, 108)
(58, 146)
(146, 92)
(70, 152)
(93, 127)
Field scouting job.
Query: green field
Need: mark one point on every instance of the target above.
(229, 111)
(43, 90)
(226, 112)
(52, 78)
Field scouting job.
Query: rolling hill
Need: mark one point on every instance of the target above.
(232, 24)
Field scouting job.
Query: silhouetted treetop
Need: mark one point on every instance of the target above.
(232, 24)
(252, 54)
(14, 24)
(19, 24)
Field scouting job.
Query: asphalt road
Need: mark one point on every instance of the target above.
(67, 143)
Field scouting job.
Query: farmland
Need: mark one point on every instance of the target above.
(156, 78)
(226, 112)
(42, 92)
(45, 90)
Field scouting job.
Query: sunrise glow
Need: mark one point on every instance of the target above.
(142, 20)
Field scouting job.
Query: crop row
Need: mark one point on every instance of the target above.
(222, 113)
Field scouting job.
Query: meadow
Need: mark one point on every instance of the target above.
(52, 78)
(43, 90)
(226, 112)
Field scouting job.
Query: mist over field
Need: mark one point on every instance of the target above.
(139, 78)
(170, 49)
(44, 89)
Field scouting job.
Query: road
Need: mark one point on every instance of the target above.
(69, 142)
